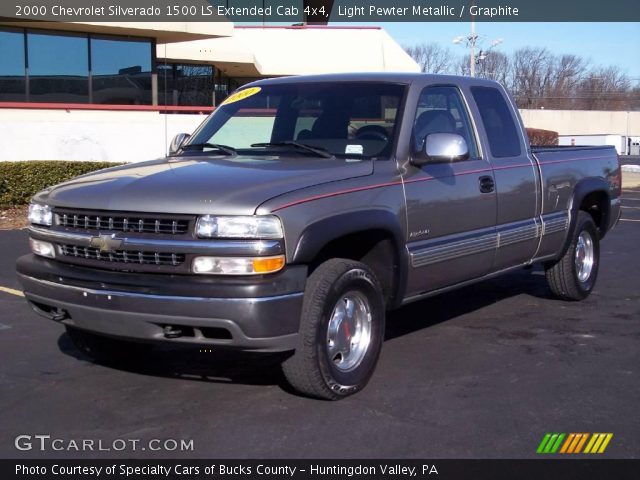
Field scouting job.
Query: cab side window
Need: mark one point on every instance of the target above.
(504, 139)
(442, 110)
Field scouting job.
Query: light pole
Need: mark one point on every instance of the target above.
(470, 41)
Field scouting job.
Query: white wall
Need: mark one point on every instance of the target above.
(85, 135)
(127, 136)
(583, 122)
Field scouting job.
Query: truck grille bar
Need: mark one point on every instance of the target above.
(123, 256)
(122, 223)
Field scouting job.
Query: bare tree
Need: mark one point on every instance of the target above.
(431, 57)
(568, 72)
(532, 75)
(605, 89)
(495, 66)
(538, 78)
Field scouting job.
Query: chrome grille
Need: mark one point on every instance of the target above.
(122, 223)
(124, 256)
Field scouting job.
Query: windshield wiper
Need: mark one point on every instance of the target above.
(227, 150)
(319, 151)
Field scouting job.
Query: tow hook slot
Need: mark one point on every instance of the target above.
(49, 311)
(58, 314)
(172, 332)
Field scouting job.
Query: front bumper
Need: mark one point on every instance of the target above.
(258, 313)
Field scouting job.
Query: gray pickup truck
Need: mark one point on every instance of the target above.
(303, 210)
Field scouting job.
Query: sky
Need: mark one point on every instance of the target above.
(603, 43)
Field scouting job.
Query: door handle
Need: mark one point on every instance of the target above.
(487, 185)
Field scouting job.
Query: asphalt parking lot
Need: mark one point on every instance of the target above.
(483, 372)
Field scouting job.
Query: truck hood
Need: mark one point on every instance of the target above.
(200, 184)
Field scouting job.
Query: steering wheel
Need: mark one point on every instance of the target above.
(372, 132)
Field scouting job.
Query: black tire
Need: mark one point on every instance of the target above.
(106, 349)
(310, 370)
(563, 275)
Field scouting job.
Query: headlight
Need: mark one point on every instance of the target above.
(237, 265)
(239, 227)
(40, 214)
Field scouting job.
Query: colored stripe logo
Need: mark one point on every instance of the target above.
(574, 443)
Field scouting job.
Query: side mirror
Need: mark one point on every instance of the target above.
(177, 142)
(442, 147)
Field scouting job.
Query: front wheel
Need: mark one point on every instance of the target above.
(341, 331)
(573, 276)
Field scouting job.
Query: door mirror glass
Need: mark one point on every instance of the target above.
(443, 147)
(177, 142)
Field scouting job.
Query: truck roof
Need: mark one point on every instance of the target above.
(391, 77)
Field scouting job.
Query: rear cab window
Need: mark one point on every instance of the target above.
(502, 133)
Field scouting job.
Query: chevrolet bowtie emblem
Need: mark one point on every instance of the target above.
(106, 243)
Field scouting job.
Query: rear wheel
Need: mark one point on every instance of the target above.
(574, 275)
(106, 349)
(341, 331)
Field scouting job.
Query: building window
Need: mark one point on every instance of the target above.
(121, 71)
(58, 68)
(186, 84)
(12, 67)
(43, 66)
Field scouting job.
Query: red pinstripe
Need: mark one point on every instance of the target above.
(421, 179)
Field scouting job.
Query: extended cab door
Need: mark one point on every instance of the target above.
(516, 176)
(451, 206)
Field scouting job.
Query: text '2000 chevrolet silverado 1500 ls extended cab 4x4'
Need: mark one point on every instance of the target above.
(303, 209)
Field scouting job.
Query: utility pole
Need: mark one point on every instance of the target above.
(470, 41)
(472, 48)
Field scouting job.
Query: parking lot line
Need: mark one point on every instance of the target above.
(628, 220)
(11, 291)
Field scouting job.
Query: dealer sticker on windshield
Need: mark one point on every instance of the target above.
(354, 149)
(241, 95)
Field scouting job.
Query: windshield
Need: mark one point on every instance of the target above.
(354, 119)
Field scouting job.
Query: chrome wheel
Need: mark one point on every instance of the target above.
(349, 331)
(584, 256)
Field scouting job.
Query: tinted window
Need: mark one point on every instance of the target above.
(121, 71)
(58, 68)
(442, 110)
(12, 66)
(504, 139)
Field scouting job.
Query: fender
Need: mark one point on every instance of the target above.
(583, 188)
(319, 234)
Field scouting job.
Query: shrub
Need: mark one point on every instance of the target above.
(19, 181)
(542, 138)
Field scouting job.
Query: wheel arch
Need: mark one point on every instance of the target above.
(374, 237)
(592, 196)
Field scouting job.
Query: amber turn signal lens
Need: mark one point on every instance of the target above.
(268, 264)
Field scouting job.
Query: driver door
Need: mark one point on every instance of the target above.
(451, 206)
